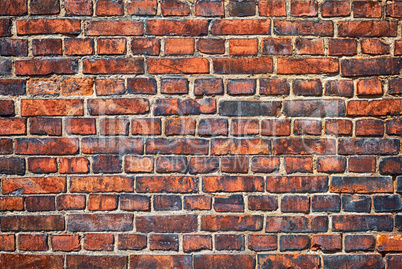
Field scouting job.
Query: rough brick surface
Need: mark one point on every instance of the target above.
(200, 134)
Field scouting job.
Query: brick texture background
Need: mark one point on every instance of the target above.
(200, 134)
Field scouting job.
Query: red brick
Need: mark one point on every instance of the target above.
(33, 242)
(394, 9)
(48, 26)
(66, 243)
(309, 127)
(40, 203)
(33, 185)
(174, 184)
(99, 242)
(359, 242)
(369, 127)
(241, 27)
(146, 126)
(78, 46)
(32, 223)
(78, 8)
(171, 164)
(180, 146)
(174, 8)
(242, 127)
(304, 8)
(211, 46)
(338, 127)
(147, 261)
(167, 202)
(326, 203)
(142, 7)
(166, 223)
(370, 86)
(367, 146)
(109, 86)
(14, 47)
(310, 46)
(165, 242)
(13, 126)
(232, 203)
(114, 66)
(197, 202)
(39, 261)
(100, 223)
(132, 242)
(296, 224)
(45, 126)
(362, 164)
(58, 66)
(307, 87)
(294, 242)
(87, 261)
(339, 88)
(223, 146)
(6, 145)
(46, 146)
(229, 242)
(90, 184)
(174, 86)
(243, 46)
(298, 164)
(355, 184)
(180, 126)
(6, 107)
(80, 126)
(111, 46)
(303, 146)
(178, 66)
(114, 27)
(233, 184)
(141, 85)
(114, 126)
(274, 86)
(224, 260)
(295, 184)
(342, 47)
(326, 242)
(243, 65)
(374, 46)
(192, 243)
(5, 27)
(44, 86)
(231, 223)
(394, 126)
(70, 202)
(179, 46)
(272, 8)
(126, 106)
(210, 127)
(241, 8)
(264, 203)
(307, 66)
(208, 86)
(304, 27)
(277, 46)
(13, 7)
(335, 9)
(374, 107)
(9, 203)
(314, 108)
(261, 164)
(367, 28)
(109, 7)
(177, 27)
(295, 204)
(51, 107)
(367, 9)
(257, 242)
(330, 164)
(132, 202)
(102, 202)
(276, 127)
(8, 242)
(41, 47)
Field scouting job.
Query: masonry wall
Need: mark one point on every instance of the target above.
(200, 134)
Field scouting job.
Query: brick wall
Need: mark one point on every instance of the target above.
(200, 134)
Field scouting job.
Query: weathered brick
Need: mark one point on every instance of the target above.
(87, 261)
(33, 185)
(146, 261)
(100, 222)
(114, 27)
(88, 184)
(295, 184)
(175, 184)
(248, 108)
(233, 183)
(367, 28)
(370, 67)
(359, 242)
(223, 146)
(288, 66)
(32, 223)
(362, 261)
(192, 243)
(366, 146)
(181, 146)
(177, 27)
(166, 223)
(361, 223)
(241, 27)
(296, 224)
(292, 260)
(178, 66)
(48, 26)
(243, 65)
(303, 27)
(132, 242)
(58, 66)
(231, 222)
(33, 242)
(95, 241)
